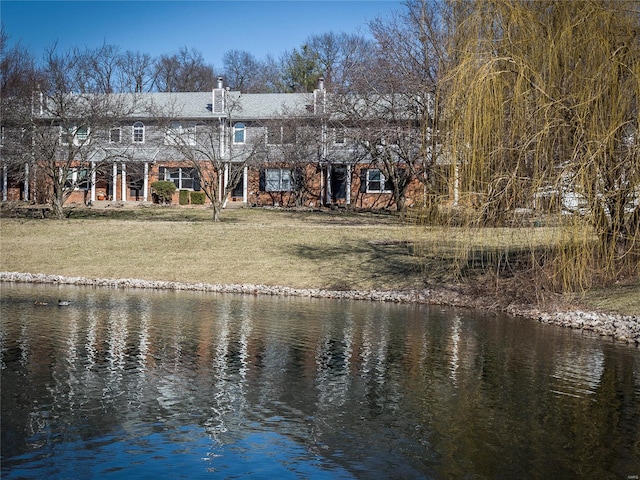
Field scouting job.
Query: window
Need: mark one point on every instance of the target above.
(180, 134)
(82, 134)
(280, 135)
(78, 135)
(183, 178)
(375, 181)
(239, 133)
(138, 132)
(277, 180)
(77, 179)
(339, 136)
(114, 135)
(273, 135)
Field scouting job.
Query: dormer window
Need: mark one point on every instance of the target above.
(239, 131)
(138, 132)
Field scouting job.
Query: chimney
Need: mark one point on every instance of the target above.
(321, 83)
(220, 83)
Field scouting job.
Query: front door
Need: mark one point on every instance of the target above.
(338, 183)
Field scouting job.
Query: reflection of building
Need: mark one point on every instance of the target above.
(290, 149)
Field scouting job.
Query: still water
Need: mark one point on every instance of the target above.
(136, 384)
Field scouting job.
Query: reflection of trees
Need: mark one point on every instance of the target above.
(379, 380)
(333, 361)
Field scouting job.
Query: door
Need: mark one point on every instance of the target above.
(338, 183)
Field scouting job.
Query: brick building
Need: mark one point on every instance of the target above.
(286, 149)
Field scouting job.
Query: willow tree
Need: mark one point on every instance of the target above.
(544, 115)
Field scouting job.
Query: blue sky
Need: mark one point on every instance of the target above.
(210, 26)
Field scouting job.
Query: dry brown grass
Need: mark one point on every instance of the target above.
(329, 249)
(333, 250)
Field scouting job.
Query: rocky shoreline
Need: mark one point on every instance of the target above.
(619, 327)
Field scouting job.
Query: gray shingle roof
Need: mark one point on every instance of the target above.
(241, 106)
(194, 105)
(271, 105)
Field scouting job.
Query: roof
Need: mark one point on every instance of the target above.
(194, 105)
(252, 106)
(241, 106)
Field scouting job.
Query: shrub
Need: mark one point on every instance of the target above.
(163, 190)
(197, 198)
(184, 197)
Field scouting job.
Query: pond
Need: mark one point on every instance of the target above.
(144, 384)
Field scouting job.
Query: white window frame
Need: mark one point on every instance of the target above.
(239, 128)
(80, 135)
(135, 130)
(181, 134)
(73, 175)
(382, 181)
(339, 136)
(183, 174)
(278, 180)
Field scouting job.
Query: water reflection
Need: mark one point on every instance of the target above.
(176, 384)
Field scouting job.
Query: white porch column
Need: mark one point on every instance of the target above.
(245, 184)
(123, 182)
(5, 182)
(145, 182)
(93, 182)
(114, 182)
(224, 181)
(348, 199)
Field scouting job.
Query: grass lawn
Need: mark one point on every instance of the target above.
(337, 250)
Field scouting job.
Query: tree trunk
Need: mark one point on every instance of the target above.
(217, 206)
(57, 202)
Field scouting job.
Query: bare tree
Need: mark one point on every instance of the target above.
(294, 142)
(66, 128)
(242, 71)
(19, 78)
(184, 71)
(210, 149)
(103, 65)
(136, 72)
(342, 58)
(386, 132)
(412, 60)
(271, 76)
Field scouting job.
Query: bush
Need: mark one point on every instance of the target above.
(197, 198)
(163, 190)
(184, 197)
